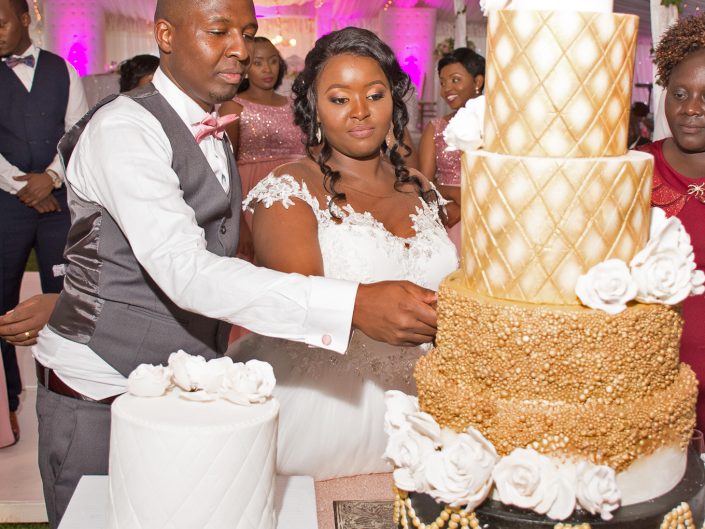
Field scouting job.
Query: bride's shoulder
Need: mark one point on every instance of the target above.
(285, 184)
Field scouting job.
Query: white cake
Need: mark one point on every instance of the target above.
(189, 464)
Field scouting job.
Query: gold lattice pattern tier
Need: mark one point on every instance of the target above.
(559, 83)
(533, 225)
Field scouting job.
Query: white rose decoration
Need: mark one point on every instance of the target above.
(189, 371)
(406, 448)
(398, 406)
(492, 5)
(464, 130)
(532, 481)
(607, 286)
(149, 381)
(215, 373)
(597, 489)
(248, 383)
(665, 269)
(460, 474)
(424, 424)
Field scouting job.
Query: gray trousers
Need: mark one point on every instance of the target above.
(74, 440)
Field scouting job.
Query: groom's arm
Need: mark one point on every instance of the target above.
(396, 312)
(133, 181)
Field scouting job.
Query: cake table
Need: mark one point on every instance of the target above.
(295, 503)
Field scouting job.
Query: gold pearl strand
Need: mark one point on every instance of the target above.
(679, 518)
(453, 518)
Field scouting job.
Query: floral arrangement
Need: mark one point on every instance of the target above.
(677, 3)
(201, 380)
(663, 272)
(465, 129)
(463, 469)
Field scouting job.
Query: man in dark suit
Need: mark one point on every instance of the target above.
(41, 96)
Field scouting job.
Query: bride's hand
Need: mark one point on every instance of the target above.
(396, 312)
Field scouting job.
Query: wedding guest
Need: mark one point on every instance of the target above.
(265, 135)
(41, 96)
(346, 212)
(462, 76)
(640, 125)
(679, 166)
(153, 179)
(137, 71)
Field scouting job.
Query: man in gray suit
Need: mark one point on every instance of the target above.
(154, 197)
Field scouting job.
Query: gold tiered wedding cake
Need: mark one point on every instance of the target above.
(553, 386)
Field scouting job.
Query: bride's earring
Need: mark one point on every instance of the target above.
(319, 133)
(389, 139)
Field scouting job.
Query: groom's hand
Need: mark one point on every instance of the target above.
(396, 312)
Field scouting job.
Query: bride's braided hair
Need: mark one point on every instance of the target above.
(362, 43)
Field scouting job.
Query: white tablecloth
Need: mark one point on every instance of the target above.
(295, 503)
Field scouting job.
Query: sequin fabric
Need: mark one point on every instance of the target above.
(447, 162)
(268, 133)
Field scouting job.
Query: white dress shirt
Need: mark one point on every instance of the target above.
(75, 109)
(123, 162)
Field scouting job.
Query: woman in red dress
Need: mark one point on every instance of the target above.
(679, 167)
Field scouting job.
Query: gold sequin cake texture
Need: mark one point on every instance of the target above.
(565, 380)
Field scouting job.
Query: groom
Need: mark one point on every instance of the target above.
(155, 198)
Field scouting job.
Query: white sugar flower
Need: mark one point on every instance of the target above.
(465, 129)
(597, 489)
(607, 286)
(248, 383)
(460, 474)
(530, 480)
(398, 406)
(189, 371)
(664, 270)
(493, 5)
(408, 451)
(149, 381)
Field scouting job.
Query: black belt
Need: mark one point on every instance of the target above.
(47, 378)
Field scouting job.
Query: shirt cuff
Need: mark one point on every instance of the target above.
(330, 311)
(56, 166)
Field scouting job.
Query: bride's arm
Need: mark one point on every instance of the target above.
(286, 239)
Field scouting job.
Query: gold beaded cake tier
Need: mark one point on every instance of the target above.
(533, 225)
(565, 380)
(559, 83)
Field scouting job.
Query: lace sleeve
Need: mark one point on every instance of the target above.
(441, 201)
(273, 189)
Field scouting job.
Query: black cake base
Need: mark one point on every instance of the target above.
(686, 500)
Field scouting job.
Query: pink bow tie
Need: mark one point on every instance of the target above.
(14, 61)
(213, 125)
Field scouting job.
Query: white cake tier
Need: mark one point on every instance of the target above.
(533, 225)
(180, 464)
(652, 476)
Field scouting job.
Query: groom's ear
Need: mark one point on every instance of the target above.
(164, 34)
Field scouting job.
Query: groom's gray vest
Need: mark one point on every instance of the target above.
(109, 302)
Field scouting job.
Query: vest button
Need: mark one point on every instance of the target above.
(223, 229)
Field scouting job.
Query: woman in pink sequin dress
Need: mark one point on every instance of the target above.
(462, 75)
(265, 135)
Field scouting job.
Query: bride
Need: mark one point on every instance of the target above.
(347, 211)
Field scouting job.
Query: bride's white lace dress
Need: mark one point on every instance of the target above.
(332, 405)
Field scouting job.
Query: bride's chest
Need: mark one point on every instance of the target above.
(362, 250)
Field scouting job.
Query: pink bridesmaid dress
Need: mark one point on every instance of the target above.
(447, 169)
(268, 138)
